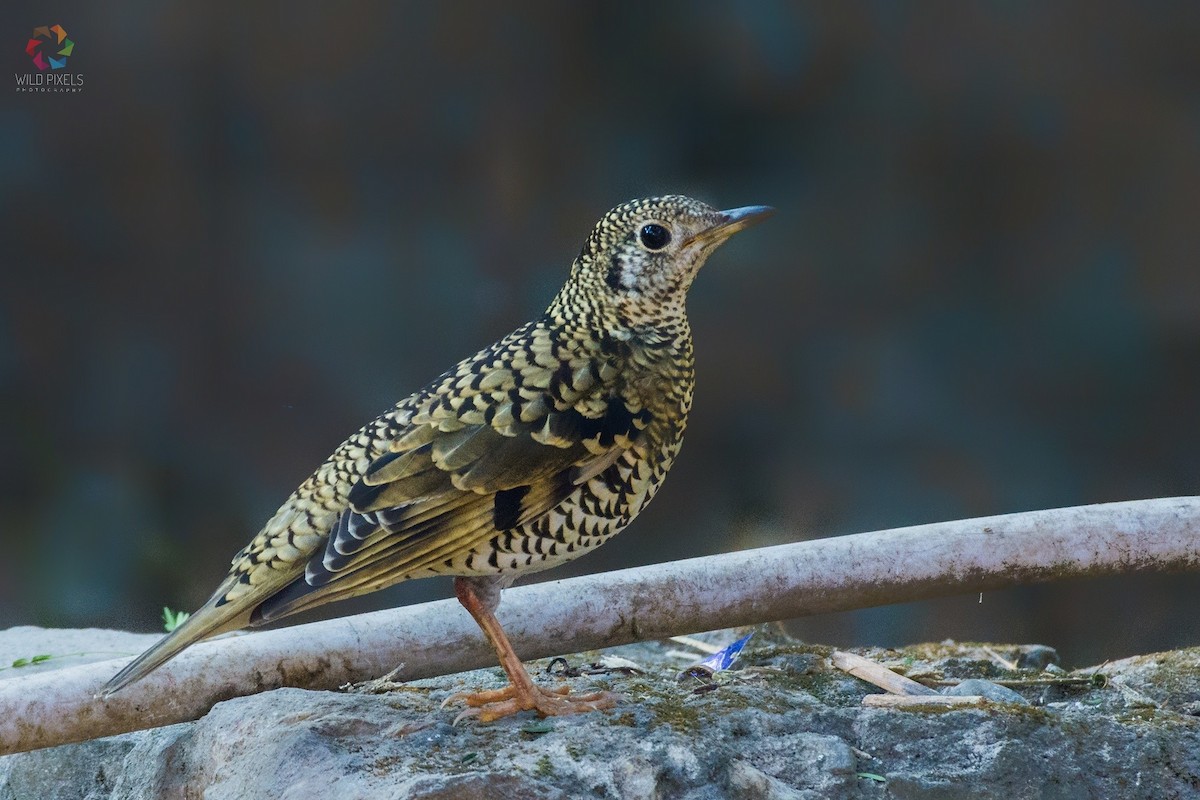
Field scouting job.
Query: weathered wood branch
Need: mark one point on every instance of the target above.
(613, 608)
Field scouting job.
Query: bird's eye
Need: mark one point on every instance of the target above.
(654, 237)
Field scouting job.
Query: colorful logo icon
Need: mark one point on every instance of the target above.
(43, 42)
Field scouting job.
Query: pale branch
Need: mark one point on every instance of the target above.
(875, 673)
(566, 616)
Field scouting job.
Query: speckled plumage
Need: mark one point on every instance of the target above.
(525, 455)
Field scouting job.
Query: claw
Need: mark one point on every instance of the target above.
(466, 713)
(492, 705)
(454, 698)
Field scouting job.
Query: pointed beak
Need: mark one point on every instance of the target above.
(734, 220)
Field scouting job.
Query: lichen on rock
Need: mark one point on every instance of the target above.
(783, 723)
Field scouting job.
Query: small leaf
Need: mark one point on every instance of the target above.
(173, 619)
(871, 776)
(538, 728)
(21, 662)
(41, 658)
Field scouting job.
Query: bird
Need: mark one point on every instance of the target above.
(526, 455)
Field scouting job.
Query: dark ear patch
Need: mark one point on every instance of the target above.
(507, 508)
(613, 276)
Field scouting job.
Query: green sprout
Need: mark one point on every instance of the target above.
(173, 619)
(25, 662)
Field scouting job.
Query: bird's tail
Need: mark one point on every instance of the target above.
(211, 618)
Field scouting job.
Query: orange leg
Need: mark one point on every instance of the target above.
(521, 694)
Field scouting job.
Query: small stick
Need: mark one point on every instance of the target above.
(999, 659)
(879, 675)
(696, 644)
(918, 700)
(1018, 682)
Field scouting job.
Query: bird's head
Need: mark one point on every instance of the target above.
(642, 256)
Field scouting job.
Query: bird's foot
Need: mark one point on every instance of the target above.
(492, 705)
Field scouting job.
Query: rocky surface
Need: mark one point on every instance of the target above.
(782, 724)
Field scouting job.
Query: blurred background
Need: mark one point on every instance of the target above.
(255, 228)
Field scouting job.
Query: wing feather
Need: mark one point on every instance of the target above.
(456, 487)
